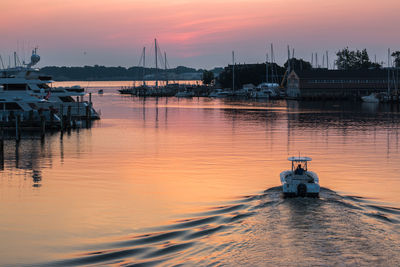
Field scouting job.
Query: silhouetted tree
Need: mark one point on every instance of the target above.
(208, 77)
(354, 60)
(298, 64)
(396, 56)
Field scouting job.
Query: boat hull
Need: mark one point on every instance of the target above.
(305, 185)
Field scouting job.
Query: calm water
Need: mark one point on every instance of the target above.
(172, 181)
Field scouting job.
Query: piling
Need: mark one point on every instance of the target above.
(61, 118)
(2, 149)
(52, 117)
(69, 117)
(88, 112)
(17, 129)
(42, 126)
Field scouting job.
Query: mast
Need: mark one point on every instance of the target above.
(2, 64)
(312, 60)
(144, 65)
(155, 49)
(165, 65)
(388, 90)
(233, 70)
(272, 63)
(327, 61)
(288, 59)
(15, 59)
(266, 68)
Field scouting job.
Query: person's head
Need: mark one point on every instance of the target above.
(299, 166)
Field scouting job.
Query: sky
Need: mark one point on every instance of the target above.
(194, 33)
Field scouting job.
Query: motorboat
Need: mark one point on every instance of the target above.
(372, 98)
(299, 181)
(265, 90)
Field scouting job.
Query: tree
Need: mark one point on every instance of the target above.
(354, 60)
(298, 64)
(396, 56)
(208, 77)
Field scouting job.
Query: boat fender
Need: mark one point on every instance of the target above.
(302, 190)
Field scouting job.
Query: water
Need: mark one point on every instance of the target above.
(172, 181)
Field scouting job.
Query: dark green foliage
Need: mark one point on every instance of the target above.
(396, 56)
(298, 64)
(354, 60)
(249, 73)
(208, 77)
(96, 72)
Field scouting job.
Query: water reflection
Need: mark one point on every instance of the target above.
(143, 187)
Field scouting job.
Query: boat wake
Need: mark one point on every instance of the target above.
(261, 229)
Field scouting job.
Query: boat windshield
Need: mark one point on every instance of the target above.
(299, 164)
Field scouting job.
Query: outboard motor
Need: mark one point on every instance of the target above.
(302, 190)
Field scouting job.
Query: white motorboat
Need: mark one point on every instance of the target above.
(299, 181)
(372, 98)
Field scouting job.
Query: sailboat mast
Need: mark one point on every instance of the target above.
(272, 64)
(155, 49)
(233, 70)
(266, 68)
(144, 65)
(327, 61)
(165, 65)
(388, 81)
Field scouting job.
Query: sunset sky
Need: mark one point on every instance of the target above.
(194, 33)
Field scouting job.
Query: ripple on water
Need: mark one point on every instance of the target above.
(332, 224)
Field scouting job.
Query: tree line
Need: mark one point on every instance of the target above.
(96, 72)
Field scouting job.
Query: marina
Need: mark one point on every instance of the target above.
(150, 202)
(199, 133)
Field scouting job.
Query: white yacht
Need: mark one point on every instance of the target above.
(27, 108)
(25, 82)
(372, 98)
(299, 181)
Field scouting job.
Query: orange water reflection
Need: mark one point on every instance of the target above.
(151, 161)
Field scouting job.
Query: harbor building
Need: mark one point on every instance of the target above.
(340, 84)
